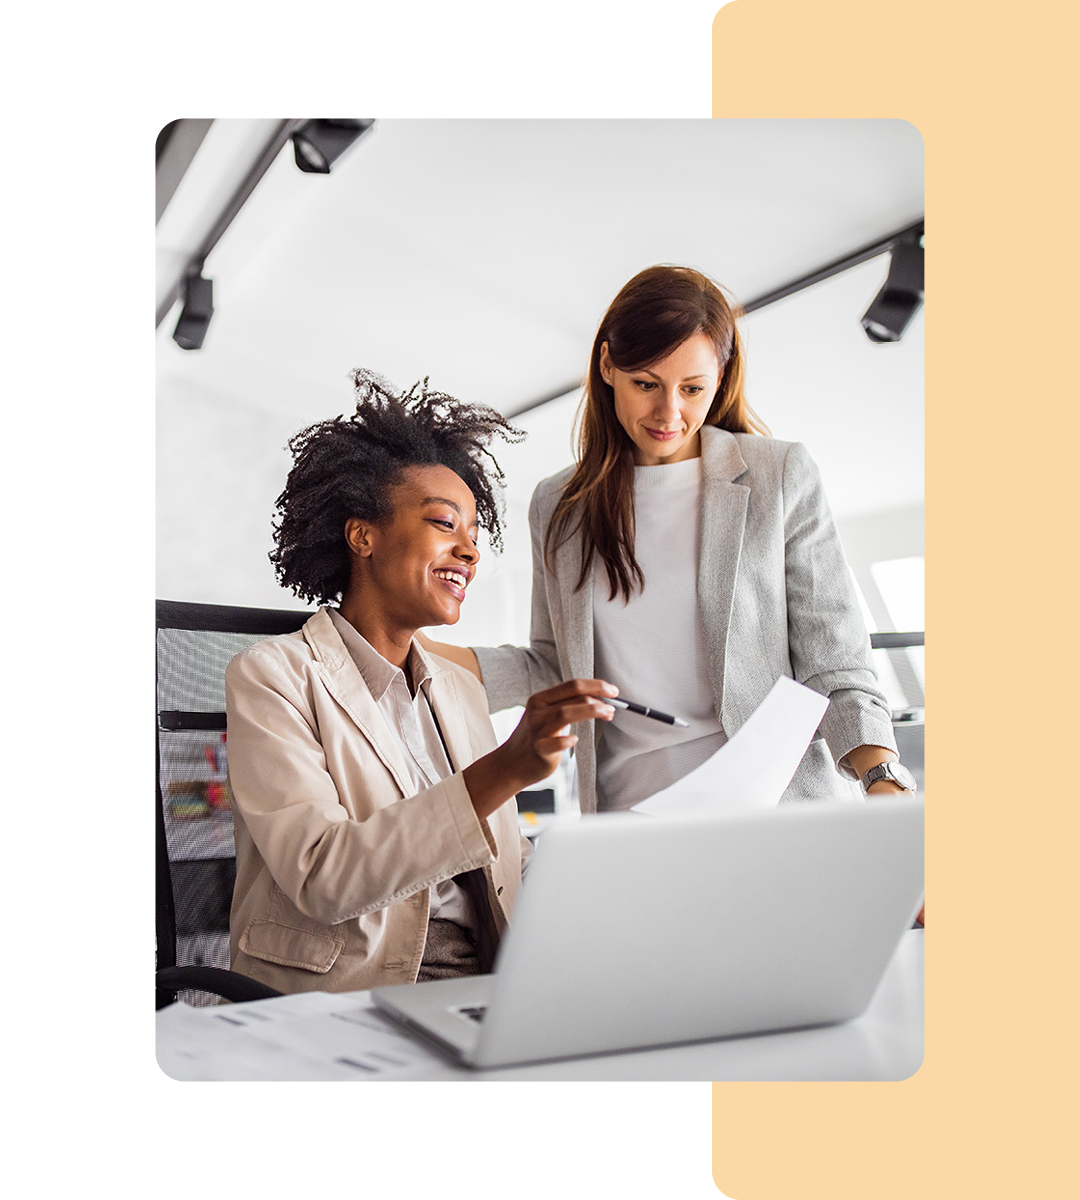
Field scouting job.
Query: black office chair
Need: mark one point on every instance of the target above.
(196, 863)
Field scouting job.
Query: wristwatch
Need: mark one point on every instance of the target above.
(890, 770)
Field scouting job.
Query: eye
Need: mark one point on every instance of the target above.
(646, 385)
(693, 389)
(440, 521)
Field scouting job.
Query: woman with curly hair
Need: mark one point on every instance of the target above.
(376, 827)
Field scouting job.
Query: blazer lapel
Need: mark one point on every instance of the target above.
(449, 712)
(577, 617)
(577, 609)
(723, 522)
(345, 683)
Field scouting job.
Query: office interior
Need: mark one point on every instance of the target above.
(481, 254)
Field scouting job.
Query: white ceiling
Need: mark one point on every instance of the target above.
(483, 253)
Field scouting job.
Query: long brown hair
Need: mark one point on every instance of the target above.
(651, 316)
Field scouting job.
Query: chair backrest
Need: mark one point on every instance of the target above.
(196, 863)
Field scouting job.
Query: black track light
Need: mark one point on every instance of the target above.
(320, 142)
(198, 295)
(901, 297)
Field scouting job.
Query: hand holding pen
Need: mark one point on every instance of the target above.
(543, 734)
(642, 710)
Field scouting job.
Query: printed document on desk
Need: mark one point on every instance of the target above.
(303, 1036)
(751, 770)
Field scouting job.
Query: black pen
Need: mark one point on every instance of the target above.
(642, 711)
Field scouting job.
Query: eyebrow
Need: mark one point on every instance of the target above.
(685, 378)
(450, 503)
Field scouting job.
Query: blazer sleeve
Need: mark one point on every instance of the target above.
(331, 865)
(827, 638)
(511, 674)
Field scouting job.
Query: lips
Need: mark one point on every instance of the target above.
(663, 435)
(456, 581)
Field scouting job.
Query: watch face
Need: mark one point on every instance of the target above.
(902, 775)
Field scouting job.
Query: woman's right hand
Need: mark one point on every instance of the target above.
(543, 733)
(535, 747)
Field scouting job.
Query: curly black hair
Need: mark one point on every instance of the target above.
(345, 467)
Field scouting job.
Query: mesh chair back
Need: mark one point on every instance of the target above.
(196, 864)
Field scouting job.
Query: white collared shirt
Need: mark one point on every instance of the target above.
(411, 719)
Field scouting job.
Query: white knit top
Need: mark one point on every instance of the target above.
(652, 648)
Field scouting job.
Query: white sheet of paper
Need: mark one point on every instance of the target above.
(306, 1036)
(753, 768)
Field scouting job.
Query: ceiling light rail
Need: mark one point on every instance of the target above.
(259, 168)
(317, 144)
(885, 320)
(885, 245)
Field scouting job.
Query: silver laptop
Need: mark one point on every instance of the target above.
(634, 931)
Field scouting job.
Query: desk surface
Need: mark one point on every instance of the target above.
(323, 1036)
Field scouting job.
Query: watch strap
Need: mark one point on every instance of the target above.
(892, 771)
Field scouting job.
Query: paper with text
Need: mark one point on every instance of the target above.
(306, 1036)
(753, 768)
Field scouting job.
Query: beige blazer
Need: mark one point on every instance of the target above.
(334, 852)
(775, 594)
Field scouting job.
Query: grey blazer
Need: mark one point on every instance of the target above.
(775, 593)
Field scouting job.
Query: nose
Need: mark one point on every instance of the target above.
(467, 550)
(667, 404)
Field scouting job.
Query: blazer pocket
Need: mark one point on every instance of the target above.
(291, 947)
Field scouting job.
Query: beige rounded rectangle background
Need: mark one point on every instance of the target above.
(987, 86)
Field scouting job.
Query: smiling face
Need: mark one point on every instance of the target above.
(411, 570)
(662, 406)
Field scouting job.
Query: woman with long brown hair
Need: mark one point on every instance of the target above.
(690, 559)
